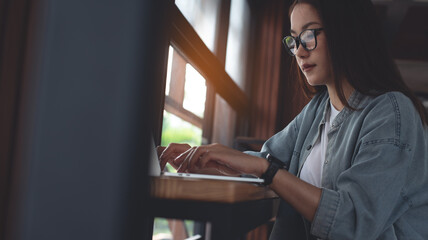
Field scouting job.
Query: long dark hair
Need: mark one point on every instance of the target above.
(358, 51)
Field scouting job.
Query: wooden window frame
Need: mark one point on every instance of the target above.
(174, 101)
(211, 65)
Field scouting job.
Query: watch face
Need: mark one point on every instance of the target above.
(270, 158)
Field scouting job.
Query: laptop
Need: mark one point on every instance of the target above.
(155, 170)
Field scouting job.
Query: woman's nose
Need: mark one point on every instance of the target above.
(301, 52)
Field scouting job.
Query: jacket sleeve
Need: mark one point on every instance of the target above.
(282, 144)
(371, 194)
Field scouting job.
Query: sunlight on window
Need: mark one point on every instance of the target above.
(237, 41)
(202, 15)
(168, 73)
(194, 91)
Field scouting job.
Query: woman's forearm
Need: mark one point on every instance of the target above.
(303, 196)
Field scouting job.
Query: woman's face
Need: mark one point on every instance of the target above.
(314, 64)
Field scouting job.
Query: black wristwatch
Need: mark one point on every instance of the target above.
(274, 165)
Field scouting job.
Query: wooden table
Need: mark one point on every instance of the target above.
(230, 208)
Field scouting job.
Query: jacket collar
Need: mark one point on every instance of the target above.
(357, 100)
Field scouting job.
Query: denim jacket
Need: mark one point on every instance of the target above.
(375, 174)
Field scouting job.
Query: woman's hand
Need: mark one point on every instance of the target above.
(170, 153)
(220, 158)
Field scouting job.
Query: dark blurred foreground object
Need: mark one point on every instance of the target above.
(78, 91)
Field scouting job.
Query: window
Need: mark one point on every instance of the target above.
(235, 65)
(185, 92)
(203, 95)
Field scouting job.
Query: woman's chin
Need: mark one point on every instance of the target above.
(315, 83)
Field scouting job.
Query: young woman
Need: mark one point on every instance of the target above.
(354, 163)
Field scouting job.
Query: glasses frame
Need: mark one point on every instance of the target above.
(299, 41)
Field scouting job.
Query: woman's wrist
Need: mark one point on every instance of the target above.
(262, 166)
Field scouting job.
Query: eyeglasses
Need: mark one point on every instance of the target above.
(308, 39)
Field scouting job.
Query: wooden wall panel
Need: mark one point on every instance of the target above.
(266, 74)
(276, 97)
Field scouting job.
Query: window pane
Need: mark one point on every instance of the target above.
(161, 228)
(202, 15)
(176, 73)
(168, 73)
(237, 41)
(176, 130)
(194, 91)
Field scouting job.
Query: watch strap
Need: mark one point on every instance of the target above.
(274, 165)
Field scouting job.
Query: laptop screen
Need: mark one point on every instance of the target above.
(154, 169)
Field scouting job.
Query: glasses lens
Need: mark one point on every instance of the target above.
(290, 44)
(308, 39)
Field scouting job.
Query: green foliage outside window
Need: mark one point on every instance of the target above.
(176, 130)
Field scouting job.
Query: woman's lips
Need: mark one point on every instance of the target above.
(308, 67)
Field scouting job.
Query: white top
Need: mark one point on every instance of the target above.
(313, 166)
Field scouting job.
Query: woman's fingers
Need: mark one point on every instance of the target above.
(171, 152)
(217, 157)
(183, 160)
(193, 159)
(212, 156)
(226, 160)
(189, 161)
(159, 150)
